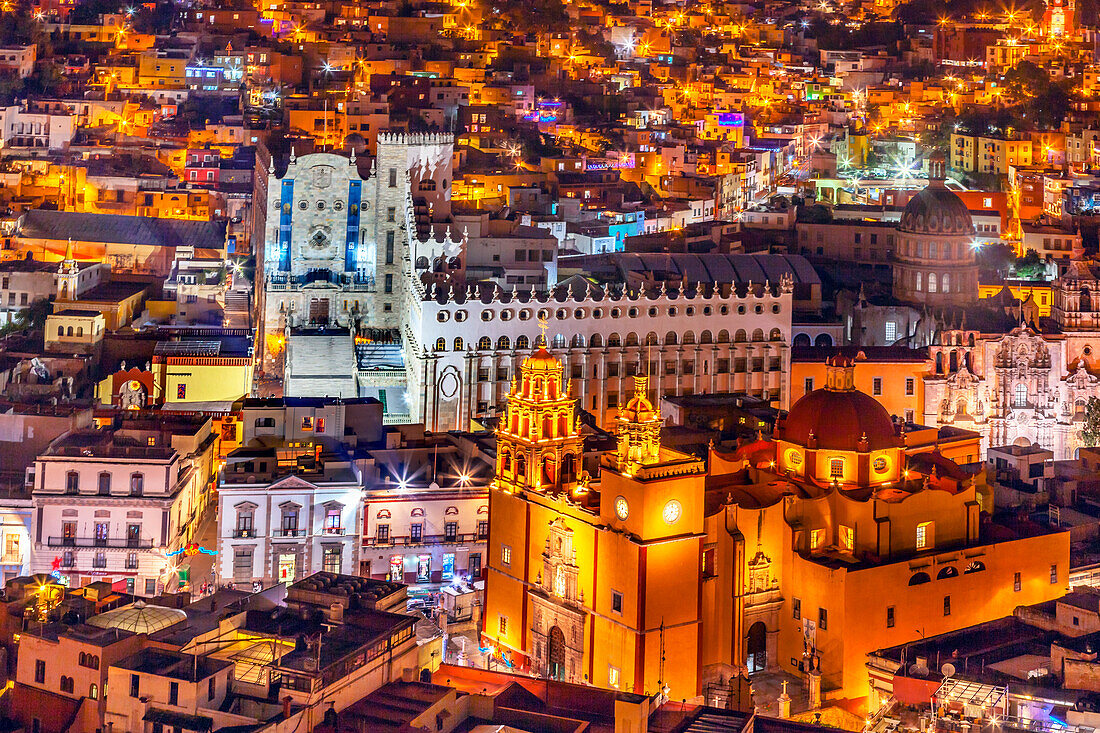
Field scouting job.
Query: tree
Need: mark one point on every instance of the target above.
(1090, 431)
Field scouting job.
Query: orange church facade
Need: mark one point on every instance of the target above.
(647, 569)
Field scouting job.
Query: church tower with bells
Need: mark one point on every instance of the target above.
(539, 445)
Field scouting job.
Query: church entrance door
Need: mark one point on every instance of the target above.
(318, 311)
(757, 647)
(556, 655)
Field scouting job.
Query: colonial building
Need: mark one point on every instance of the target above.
(800, 554)
(426, 510)
(110, 504)
(337, 239)
(291, 495)
(1020, 388)
(463, 348)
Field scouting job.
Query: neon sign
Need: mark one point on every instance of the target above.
(190, 550)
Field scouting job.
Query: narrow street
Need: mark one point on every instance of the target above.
(200, 565)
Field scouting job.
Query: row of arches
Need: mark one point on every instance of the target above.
(550, 472)
(948, 571)
(614, 340)
(63, 331)
(803, 339)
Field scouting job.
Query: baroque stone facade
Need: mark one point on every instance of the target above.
(1019, 388)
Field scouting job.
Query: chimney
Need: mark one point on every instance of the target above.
(286, 707)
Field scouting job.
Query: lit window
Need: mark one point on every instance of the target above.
(613, 677)
(836, 468)
(506, 555)
(1020, 396)
(816, 538)
(847, 537)
(924, 535)
(503, 625)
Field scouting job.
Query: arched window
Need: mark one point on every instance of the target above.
(651, 339)
(920, 579)
(69, 331)
(823, 339)
(577, 342)
(975, 566)
(1086, 300)
(60, 330)
(506, 461)
(931, 250)
(80, 330)
(689, 338)
(504, 342)
(946, 283)
(801, 339)
(596, 341)
(93, 692)
(427, 185)
(484, 343)
(522, 342)
(568, 469)
(939, 362)
(458, 343)
(383, 514)
(559, 341)
(836, 468)
(614, 341)
(758, 334)
(670, 338)
(632, 339)
(776, 335)
(521, 467)
(441, 344)
(706, 338)
(83, 660)
(918, 287)
(932, 282)
(947, 571)
(1020, 396)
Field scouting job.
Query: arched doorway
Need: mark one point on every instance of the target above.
(555, 655)
(757, 648)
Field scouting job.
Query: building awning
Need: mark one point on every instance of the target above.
(955, 691)
(179, 720)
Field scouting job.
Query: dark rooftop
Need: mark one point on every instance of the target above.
(108, 228)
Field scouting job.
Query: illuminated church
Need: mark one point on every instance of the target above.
(646, 569)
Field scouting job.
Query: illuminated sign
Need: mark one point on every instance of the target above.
(731, 119)
(191, 550)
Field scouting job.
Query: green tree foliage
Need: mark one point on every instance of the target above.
(1090, 431)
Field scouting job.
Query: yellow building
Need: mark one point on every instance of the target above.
(890, 374)
(1039, 291)
(800, 554)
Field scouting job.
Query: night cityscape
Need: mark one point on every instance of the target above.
(549, 366)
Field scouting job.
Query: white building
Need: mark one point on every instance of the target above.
(291, 496)
(426, 511)
(22, 129)
(112, 504)
(462, 350)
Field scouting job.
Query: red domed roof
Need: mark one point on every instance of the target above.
(838, 419)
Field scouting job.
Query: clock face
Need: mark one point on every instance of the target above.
(671, 511)
(622, 509)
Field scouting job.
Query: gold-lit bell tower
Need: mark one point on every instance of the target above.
(539, 446)
(639, 428)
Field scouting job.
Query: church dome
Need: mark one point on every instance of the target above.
(838, 416)
(542, 361)
(936, 210)
(639, 409)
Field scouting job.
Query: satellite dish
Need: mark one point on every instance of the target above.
(917, 670)
(948, 669)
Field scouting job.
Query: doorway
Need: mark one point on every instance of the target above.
(287, 564)
(556, 655)
(757, 648)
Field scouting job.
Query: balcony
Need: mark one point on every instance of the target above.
(334, 530)
(288, 533)
(427, 539)
(241, 533)
(112, 543)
